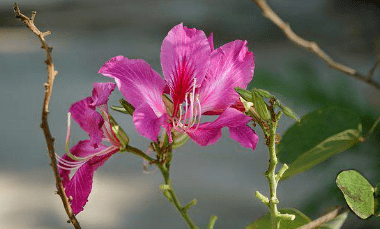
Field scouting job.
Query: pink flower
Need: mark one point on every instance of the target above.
(200, 81)
(88, 155)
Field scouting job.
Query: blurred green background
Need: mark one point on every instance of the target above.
(223, 177)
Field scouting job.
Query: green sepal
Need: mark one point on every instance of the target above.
(120, 134)
(263, 93)
(288, 111)
(246, 95)
(128, 107)
(120, 109)
(179, 139)
(260, 106)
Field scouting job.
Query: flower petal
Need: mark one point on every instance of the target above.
(80, 185)
(147, 123)
(185, 56)
(88, 119)
(231, 66)
(137, 81)
(210, 132)
(101, 92)
(206, 134)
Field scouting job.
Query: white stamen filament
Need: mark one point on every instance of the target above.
(192, 113)
(70, 165)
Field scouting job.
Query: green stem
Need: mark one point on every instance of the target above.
(167, 188)
(138, 152)
(271, 177)
(173, 198)
(372, 128)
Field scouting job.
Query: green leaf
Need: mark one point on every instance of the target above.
(318, 136)
(265, 221)
(335, 223)
(321, 152)
(358, 192)
(377, 200)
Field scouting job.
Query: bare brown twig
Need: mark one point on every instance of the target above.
(29, 22)
(313, 47)
(323, 219)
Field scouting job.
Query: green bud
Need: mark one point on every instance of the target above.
(246, 95)
(260, 106)
(263, 93)
(246, 104)
(289, 112)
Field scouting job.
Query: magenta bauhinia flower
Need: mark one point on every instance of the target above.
(200, 81)
(87, 156)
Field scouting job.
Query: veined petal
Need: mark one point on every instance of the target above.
(210, 132)
(78, 188)
(82, 149)
(147, 123)
(185, 56)
(101, 93)
(88, 119)
(80, 185)
(231, 66)
(205, 134)
(137, 81)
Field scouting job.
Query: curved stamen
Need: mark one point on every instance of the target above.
(68, 165)
(79, 161)
(192, 114)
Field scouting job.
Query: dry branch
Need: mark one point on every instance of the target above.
(313, 46)
(323, 219)
(29, 22)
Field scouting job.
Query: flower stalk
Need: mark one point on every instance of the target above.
(273, 177)
(164, 156)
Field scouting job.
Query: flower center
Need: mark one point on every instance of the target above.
(189, 113)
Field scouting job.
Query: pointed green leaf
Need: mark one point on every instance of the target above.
(319, 135)
(265, 221)
(358, 192)
(335, 223)
(321, 152)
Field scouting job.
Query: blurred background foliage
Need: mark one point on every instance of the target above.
(87, 33)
